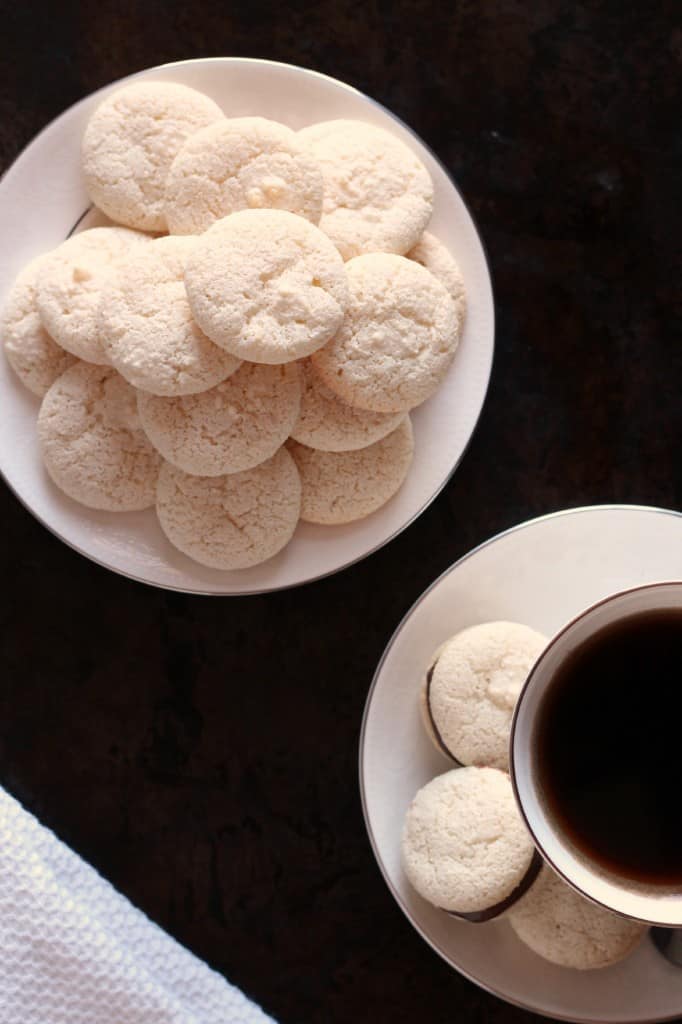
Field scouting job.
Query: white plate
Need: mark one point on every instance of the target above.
(541, 573)
(42, 197)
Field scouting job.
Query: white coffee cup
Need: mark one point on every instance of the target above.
(652, 904)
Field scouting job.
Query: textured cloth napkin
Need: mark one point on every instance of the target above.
(74, 951)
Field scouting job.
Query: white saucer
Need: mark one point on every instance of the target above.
(541, 573)
(42, 197)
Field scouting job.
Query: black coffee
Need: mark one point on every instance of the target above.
(609, 738)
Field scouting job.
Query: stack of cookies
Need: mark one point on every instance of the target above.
(465, 847)
(242, 343)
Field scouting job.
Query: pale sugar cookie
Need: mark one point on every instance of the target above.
(237, 164)
(70, 281)
(433, 255)
(378, 196)
(234, 426)
(471, 688)
(34, 356)
(93, 446)
(465, 848)
(147, 327)
(397, 340)
(235, 521)
(130, 142)
(339, 487)
(267, 286)
(327, 423)
(562, 926)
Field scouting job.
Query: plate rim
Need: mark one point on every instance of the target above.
(198, 591)
(491, 990)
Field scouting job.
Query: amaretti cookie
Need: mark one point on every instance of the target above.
(232, 427)
(465, 848)
(437, 259)
(378, 196)
(34, 356)
(471, 687)
(267, 286)
(238, 164)
(147, 328)
(130, 142)
(340, 487)
(70, 280)
(329, 424)
(235, 521)
(92, 443)
(397, 340)
(563, 927)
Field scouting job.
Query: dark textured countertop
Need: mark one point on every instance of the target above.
(202, 753)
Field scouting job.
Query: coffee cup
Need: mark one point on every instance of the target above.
(594, 812)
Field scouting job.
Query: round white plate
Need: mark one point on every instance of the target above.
(541, 573)
(42, 197)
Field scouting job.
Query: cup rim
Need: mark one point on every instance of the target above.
(556, 638)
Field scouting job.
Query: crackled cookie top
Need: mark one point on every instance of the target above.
(329, 424)
(433, 255)
(340, 487)
(378, 196)
(70, 281)
(472, 687)
(130, 142)
(237, 164)
(31, 352)
(234, 426)
(465, 848)
(267, 286)
(562, 926)
(93, 446)
(397, 340)
(147, 327)
(235, 521)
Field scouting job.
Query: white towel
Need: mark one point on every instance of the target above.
(75, 951)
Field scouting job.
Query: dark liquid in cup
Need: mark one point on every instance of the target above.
(609, 739)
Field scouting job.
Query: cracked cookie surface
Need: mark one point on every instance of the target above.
(33, 354)
(340, 487)
(562, 926)
(465, 848)
(130, 142)
(437, 258)
(397, 340)
(237, 164)
(378, 196)
(473, 688)
(267, 286)
(232, 427)
(329, 424)
(92, 443)
(70, 281)
(234, 521)
(147, 327)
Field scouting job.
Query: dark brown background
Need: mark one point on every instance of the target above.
(202, 752)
